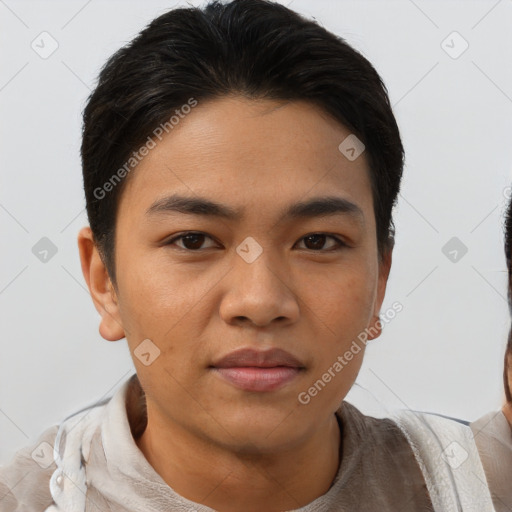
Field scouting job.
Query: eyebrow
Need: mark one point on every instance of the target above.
(315, 207)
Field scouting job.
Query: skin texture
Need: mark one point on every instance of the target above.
(210, 441)
(507, 411)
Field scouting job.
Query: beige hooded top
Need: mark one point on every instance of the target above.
(493, 437)
(91, 463)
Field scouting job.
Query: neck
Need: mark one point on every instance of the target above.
(204, 472)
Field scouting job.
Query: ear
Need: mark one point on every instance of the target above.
(100, 286)
(375, 328)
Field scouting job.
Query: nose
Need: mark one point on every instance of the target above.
(259, 293)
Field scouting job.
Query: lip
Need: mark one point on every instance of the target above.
(256, 370)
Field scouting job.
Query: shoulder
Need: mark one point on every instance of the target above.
(25, 480)
(383, 440)
(448, 455)
(384, 432)
(377, 450)
(494, 425)
(493, 437)
(443, 448)
(31, 478)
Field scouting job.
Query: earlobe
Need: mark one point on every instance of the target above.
(100, 287)
(375, 330)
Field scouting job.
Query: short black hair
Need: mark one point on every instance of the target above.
(254, 48)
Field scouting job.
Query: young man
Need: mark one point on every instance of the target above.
(493, 432)
(240, 167)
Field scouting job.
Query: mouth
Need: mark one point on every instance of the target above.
(258, 371)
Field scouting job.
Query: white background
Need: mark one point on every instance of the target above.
(442, 353)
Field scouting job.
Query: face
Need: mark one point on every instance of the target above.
(262, 271)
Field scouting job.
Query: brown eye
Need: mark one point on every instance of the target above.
(316, 242)
(190, 241)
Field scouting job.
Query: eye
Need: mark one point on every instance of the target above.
(317, 240)
(191, 241)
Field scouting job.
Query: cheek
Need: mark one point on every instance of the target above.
(343, 309)
(332, 378)
(343, 300)
(155, 296)
(170, 308)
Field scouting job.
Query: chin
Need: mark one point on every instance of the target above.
(260, 431)
(257, 444)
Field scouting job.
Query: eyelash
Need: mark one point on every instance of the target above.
(341, 243)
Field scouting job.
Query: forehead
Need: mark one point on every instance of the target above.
(251, 151)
